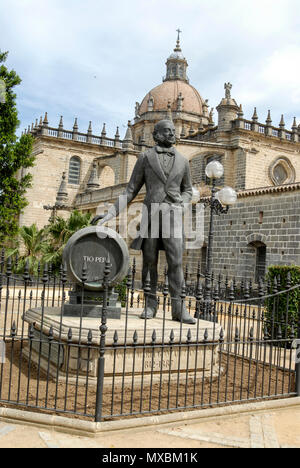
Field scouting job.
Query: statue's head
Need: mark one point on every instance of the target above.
(164, 133)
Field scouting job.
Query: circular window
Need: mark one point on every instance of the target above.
(282, 172)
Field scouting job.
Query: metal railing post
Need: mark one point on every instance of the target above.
(101, 359)
(297, 365)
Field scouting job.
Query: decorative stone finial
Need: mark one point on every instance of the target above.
(117, 139)
(75, 126)
(295, 136)
(61, 123)
(75, 130)
(128, 140)
(282, 122)
(45, 121)
(240, 113)
(93, 182)
(255, 116)
(169, 111)
(103, 133)
(60, 127)
(269, 120)
(117, 135)
(62, 194)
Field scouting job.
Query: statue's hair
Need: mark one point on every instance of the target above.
(157, 127)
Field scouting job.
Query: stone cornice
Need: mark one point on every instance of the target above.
(271, 189)
(265, 190)
(204, 144)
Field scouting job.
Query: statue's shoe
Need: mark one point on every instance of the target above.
(183, 316)
(148, 313)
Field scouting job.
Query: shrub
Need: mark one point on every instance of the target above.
(121, 289)
(282, 310)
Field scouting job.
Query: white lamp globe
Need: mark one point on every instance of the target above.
(214, 170)
(196, 195)
(227, 196)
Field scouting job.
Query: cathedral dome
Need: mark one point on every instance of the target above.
(171, 92)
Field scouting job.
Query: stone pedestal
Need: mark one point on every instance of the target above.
(89, 304)
(183, 354)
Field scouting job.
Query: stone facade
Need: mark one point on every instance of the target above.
(52, 157)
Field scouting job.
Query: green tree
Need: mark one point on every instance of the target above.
(59, 232)
(15, 154)
(29, 247)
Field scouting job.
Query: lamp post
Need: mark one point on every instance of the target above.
(218, 203)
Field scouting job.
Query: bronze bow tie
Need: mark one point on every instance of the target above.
(168, 151)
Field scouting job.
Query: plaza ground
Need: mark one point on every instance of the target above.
(274, 424)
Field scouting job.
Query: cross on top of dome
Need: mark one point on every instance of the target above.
(178, 48)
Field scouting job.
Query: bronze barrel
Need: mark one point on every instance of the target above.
(92, 246)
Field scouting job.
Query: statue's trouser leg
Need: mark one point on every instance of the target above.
(174, 247)
(150, 260)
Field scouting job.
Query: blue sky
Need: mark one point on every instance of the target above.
(94, 59)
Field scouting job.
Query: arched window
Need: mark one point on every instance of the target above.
(107, 177)
(74, 170)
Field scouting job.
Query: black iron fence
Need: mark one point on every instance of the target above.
(240, 349)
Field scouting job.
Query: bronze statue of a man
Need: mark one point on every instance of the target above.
(166, 174)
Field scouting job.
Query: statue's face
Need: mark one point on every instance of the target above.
(165, 135)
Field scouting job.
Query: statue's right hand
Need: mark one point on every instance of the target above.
(97, 218)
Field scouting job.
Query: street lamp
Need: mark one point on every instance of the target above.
(219, 203)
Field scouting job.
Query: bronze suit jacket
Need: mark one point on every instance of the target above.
(147, 170)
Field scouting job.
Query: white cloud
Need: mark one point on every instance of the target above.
(58, 48)
(282, 71)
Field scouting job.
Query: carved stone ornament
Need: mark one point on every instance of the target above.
(282, 172)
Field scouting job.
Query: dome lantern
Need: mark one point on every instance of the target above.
(177, 64)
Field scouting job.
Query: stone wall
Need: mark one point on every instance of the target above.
(52, 159)
(260, 158)
(272, 219)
